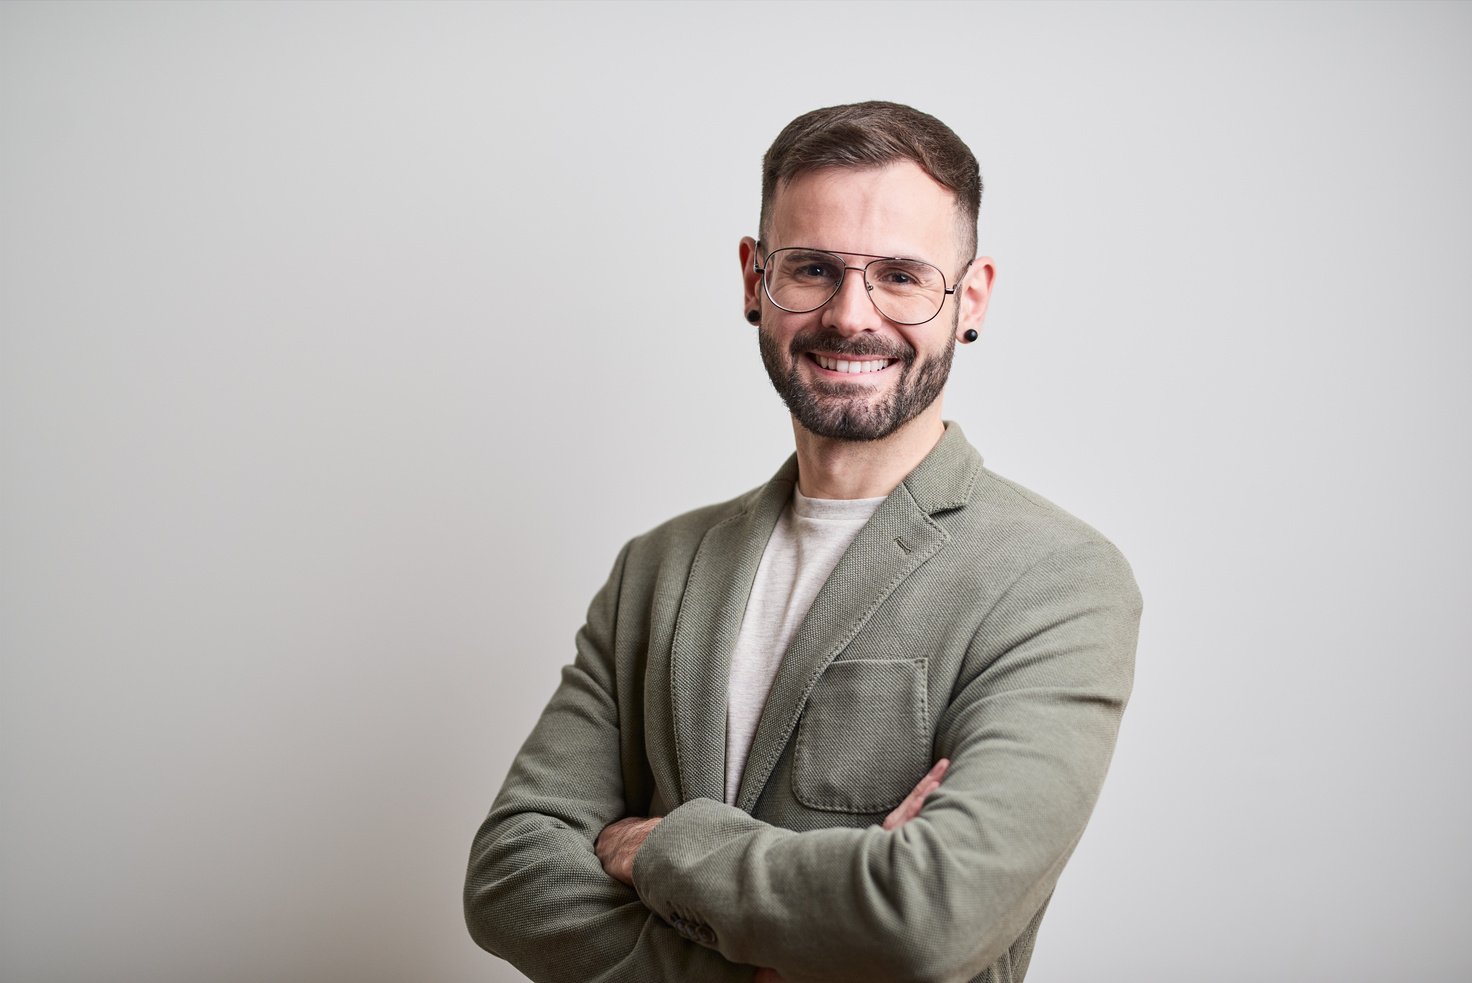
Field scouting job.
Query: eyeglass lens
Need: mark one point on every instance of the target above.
(906, 291)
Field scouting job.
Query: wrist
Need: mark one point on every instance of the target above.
(637, 836)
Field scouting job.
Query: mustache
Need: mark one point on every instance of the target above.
(833, 343)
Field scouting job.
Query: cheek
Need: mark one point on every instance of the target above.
(783, 327)
(925, 345)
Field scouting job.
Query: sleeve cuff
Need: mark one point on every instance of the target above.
(664, 868)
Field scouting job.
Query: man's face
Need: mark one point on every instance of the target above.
(846, 371)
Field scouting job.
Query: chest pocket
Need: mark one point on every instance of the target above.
(864, 739)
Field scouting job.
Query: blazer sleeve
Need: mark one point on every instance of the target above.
(535, 892)
(1029, 730)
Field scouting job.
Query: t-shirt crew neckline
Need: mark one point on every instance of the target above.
(840, 509)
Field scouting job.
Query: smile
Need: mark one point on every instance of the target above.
(852, 366)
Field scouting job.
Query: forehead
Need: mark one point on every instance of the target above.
(893, 210)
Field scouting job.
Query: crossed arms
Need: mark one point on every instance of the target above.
(1028, 730)
(618, 845)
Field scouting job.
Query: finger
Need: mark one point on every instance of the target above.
(910, 807)
(905, 811)
(933, 778)
(930, 782)
(899, 815)
(937, 771)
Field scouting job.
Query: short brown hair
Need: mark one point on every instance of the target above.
(871, 134)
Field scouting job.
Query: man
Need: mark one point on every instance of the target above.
(743, 775)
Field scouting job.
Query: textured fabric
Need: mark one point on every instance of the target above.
(969, 619)
(810, 538)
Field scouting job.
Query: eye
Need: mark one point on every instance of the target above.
(907, 275)
(810, 268)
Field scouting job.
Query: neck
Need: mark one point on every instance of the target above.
(828, 468)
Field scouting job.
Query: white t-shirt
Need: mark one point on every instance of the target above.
(811, 536)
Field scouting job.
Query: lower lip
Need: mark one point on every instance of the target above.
(851, 376)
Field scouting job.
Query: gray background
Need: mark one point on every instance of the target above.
(344, 345)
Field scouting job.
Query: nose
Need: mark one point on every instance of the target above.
(851, 311)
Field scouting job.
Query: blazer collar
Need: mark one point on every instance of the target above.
(947, 476)
(899, 538)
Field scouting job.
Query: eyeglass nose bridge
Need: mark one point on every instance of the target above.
(863, 272)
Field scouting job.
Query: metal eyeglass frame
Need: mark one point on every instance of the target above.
(863, 271)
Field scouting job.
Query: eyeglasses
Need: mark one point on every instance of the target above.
(799, 279)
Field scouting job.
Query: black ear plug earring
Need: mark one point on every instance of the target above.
(755, 317)
(969, 336)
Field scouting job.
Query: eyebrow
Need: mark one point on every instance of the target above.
(846, 252)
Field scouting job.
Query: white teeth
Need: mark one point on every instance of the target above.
(851, 367)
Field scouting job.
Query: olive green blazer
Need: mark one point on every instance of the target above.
(970, 619)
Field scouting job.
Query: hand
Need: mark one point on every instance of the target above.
(910, 808)
(767, 976)
(618, 844)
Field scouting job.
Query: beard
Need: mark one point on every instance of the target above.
(847, 411)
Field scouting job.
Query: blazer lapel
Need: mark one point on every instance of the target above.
(706, 628)
(899, 538)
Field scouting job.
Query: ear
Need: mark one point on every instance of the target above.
(973, 293)
(751, 280)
